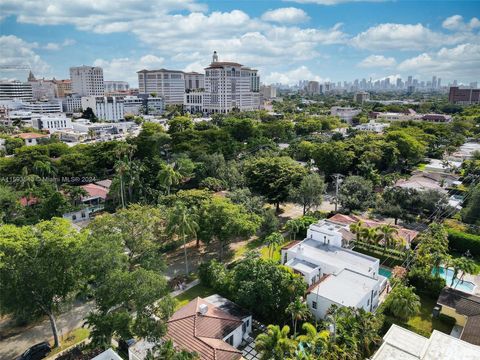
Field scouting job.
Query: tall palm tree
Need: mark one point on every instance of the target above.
(272, 241)
(182, 223)
(275, 343)
(356, 229)
(298, 310)
(293, 226)
(370, 235)
(168, 177)
(368, 331)
(388, 233)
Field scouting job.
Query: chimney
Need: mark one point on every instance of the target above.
(202, 309)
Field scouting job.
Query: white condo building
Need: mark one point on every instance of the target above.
(143, 104)
(229, 85)
(87, 80)
(110, 108)
(194, 81)
(335, 275)
(169, 84)
(52, 122)
(72, 103)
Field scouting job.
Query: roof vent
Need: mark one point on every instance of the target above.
(202, 309)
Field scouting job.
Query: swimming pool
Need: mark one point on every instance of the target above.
(465, 286)
(385, 272)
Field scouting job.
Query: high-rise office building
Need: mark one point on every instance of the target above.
(87, 80)
(10, 90)
(170, 84)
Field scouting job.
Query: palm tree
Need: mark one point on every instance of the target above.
(168, 177)
(298, 310)
(275, 343)
(183, 224)
(74, 193)
(463, 265)
(315, 341)
(388, 233)
(293, 226)
(403, 302)
(370, 235)
(356, 229)
(272, 241)
(368, 327)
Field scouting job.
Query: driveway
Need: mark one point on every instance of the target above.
(66, 322)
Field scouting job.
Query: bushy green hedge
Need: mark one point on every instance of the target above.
(461, 241)
(426, 283)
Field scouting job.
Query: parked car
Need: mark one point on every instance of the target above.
(36, 352)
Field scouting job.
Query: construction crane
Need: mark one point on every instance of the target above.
(14, 67)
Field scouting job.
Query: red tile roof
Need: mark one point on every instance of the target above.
(24, 201)
(26, 136)
(406, 234)
(94, 190)
(204, 333)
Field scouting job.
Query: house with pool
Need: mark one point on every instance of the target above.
(334, 273)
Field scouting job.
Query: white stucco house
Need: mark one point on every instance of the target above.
(335, 274)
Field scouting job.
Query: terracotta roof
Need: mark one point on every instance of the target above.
(26, 136)
(467, 305)
(24, 201)
(104, 183)
(406, 234)
(204, 333)
(94, 190)
(314, 285)
(291, 244)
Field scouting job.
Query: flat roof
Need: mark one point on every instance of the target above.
(336, 256)
(301, 265)
(228, 306)
(403, 344)
(346, 288)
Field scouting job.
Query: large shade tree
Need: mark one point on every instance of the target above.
(273, 177)
(39, 269)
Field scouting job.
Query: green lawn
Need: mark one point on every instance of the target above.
(70, 339)
(196, 291)
(424, 323)
(277, 252)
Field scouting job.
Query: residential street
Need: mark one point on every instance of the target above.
(13, 346)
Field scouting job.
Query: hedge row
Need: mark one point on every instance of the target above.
(461, 241)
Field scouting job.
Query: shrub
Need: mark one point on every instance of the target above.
(426, 283)
(461, 241)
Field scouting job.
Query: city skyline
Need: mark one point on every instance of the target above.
(287, 41)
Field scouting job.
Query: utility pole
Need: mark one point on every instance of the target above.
(337, 178)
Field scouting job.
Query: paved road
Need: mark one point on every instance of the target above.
(15, 345)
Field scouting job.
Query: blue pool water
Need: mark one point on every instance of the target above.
(385, 272)
(465, 286)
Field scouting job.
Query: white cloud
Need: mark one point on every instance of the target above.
(380, 61)
(125, 68)
(288, 15)
(456, 22)
(405, 37)
(460, 62)
(173, 28)
(331, 2)
(58, 46)
(18, 56)
(292, 77)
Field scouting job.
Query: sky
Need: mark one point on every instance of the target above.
(286, 40)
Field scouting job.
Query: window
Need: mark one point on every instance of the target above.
(285, 257)
(230, 340)
(74, 217)
(314, 305)
(368, 302)
(244, 327)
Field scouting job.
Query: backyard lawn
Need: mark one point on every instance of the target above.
(424, 323)
(196, 291)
